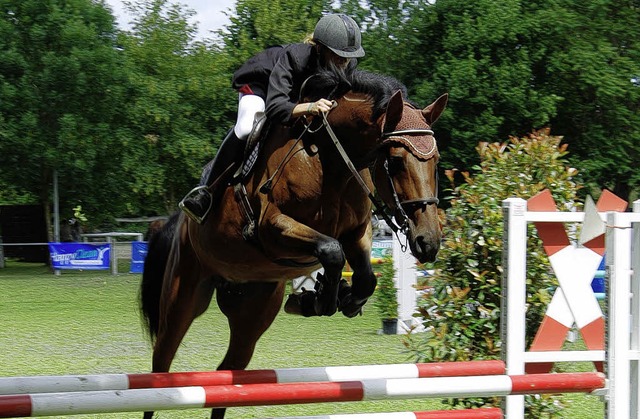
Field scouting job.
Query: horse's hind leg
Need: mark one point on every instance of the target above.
(250, 309)
(189, 298)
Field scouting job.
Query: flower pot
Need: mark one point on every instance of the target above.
(389, 326)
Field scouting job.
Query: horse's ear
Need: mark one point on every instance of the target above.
(394, 111)
(432, 112)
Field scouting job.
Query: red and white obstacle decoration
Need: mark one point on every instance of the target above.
(575, 265)
(575, 302)
(484, 413)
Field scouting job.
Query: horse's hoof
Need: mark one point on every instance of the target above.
(303, 304)
(349, 308)
(346, 304)
(344, 290)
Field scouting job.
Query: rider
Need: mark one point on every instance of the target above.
(270, 82)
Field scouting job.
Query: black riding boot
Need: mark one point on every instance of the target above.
(198, 202)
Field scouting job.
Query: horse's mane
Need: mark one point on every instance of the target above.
(332, 85)
(379, 87)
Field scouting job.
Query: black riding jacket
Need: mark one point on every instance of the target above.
(277, 74)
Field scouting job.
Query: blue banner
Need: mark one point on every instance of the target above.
(138, 255)
(85, 256)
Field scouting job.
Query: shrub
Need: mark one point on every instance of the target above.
(386, 294)
(461, 305)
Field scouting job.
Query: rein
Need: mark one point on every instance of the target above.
(380, 208)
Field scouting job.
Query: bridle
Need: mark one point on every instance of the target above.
(411, 202)
(380, 208)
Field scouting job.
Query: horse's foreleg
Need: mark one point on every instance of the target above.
(363, 282)
(301, 241)
(250, 309)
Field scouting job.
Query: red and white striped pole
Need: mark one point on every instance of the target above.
(67, 383)
(481, 413)
(90, 402)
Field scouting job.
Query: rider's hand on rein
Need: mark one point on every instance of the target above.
(320, 106)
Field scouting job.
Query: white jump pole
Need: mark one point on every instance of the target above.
(406, 278)
(623, 329)
(480, 413)
(74, 383)
(514, 296)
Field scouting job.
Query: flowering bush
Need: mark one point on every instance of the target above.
(461, 302)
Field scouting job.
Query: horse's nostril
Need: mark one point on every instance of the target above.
(426, 250)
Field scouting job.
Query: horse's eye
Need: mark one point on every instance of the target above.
(395, 165)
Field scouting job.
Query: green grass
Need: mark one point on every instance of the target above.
(88, 323)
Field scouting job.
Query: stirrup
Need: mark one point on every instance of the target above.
(193, 193)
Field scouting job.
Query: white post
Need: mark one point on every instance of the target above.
(618, 274)
(56, 213)
(514, 296)
(635, 318)
(113, 258)
(405, 278)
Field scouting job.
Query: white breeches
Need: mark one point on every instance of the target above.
(248, 106)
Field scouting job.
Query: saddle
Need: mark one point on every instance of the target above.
(252, 148)
(251, 153)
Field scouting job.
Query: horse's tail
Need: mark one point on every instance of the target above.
(155, 265)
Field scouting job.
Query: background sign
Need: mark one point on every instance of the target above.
(138, 254)
(84, 256)
(382, 248)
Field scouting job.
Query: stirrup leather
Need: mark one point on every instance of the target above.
(192, 193)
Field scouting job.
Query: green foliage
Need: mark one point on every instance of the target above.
(513, 66)
(258, 24)
(175, 106)
(594, 74)
(133, 116)
(61, 87)
(461, 303)
(386, 294)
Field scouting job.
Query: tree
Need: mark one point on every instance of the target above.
(180, 101)
(60, 83)
(258, 24)
(478, 53)
(593, 64)
(514, 66)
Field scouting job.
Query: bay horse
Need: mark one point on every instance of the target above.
(307, 203)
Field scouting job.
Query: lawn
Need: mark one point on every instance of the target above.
(88, 323)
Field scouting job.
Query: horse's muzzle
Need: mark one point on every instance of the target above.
(425, 249)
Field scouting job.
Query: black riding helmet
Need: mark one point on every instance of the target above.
(340, 34)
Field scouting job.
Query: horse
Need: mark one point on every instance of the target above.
(306, 203)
